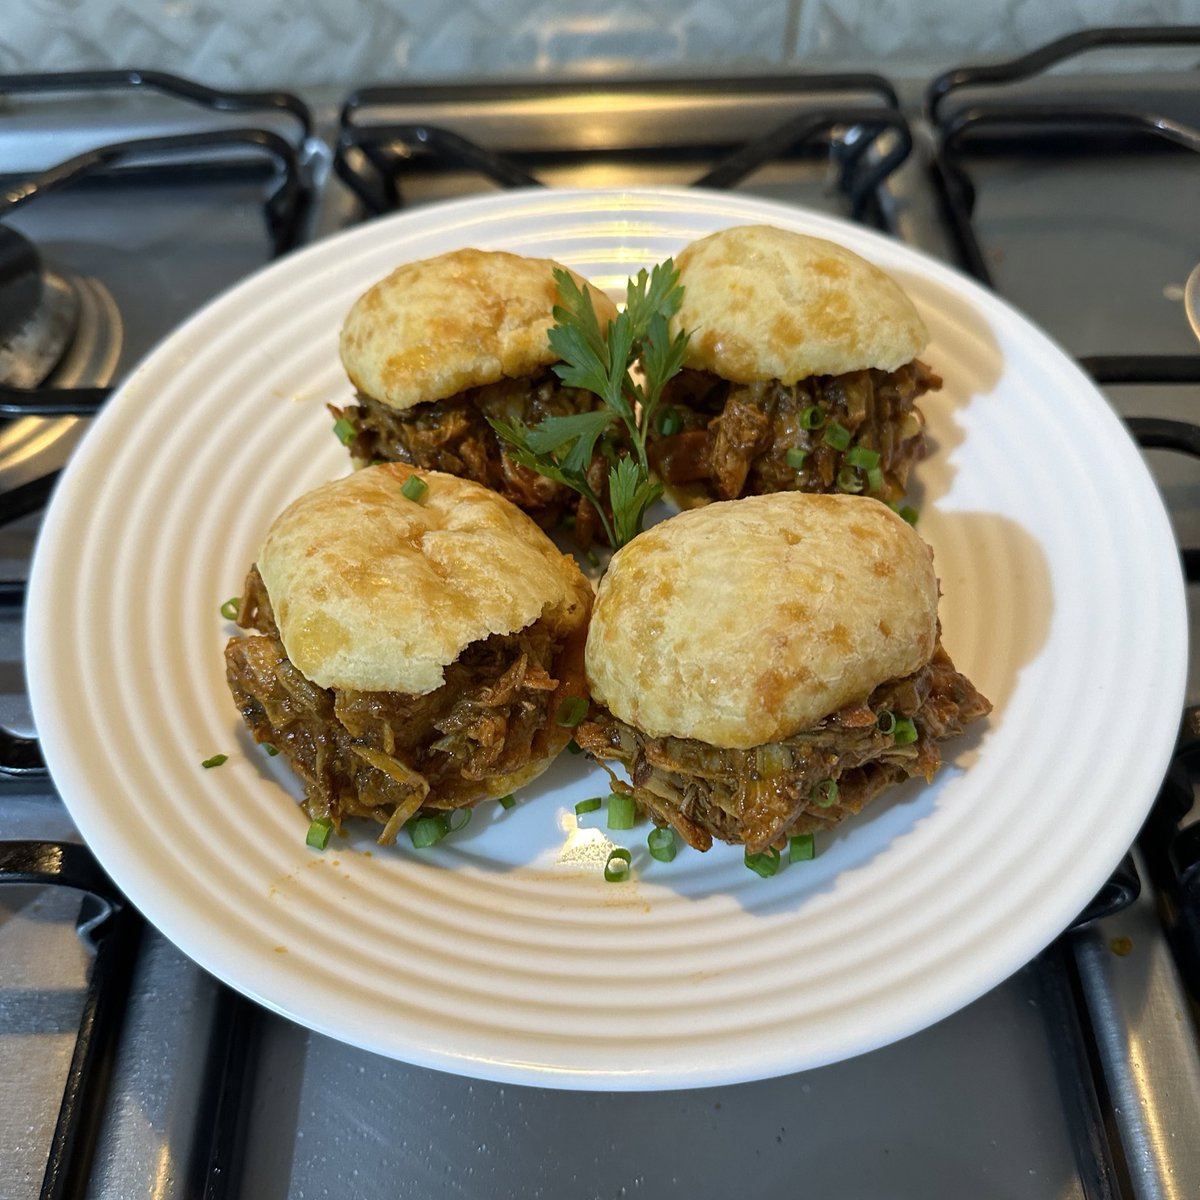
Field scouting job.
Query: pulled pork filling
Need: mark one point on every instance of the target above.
(387, 755)
(453, 435)
(756, 438)
(763, 795)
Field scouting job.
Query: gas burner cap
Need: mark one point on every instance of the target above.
(38, 314)
(33, 448)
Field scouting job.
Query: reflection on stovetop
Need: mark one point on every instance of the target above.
(212, 1096)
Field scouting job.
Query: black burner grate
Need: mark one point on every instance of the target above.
(1064, 131)
(866, 141)
(255, 154)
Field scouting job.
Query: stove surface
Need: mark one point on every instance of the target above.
(1078, 1077)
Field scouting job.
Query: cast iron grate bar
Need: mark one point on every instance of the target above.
(1158, 433)
(51, 401)
(1124, 886)
(1037, 61)
(112, 931)
(1068, 1047)
(1170, 843)
(860, 183)
(20, 756)
(386, 151)
(284, 206)
(1142, 368)
(216, 1164)
(27, 498)
(372, 156)
(47, 83)
(712, 89)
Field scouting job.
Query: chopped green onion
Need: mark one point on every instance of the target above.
(414, 487)
(837, 436)
(796, 457)
(506, 802)
(271, 750)
(906, 511)
(616, 869)
(765, 864)
(215, 761)
(571, 711)
(459, 818)
(229, 610)
(812, 417)
(587, 806)
(670, 422)
(662, 843)
(905, 732)
(885, 719)
(874, 479)
(318, 833)
(801, 848)
(573, 747)
(427, 831)
(824, 793)
(622, 811)
(849, 480)
(862, 456)
(343, 430)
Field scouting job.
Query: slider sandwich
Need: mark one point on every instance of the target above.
(418, 635)
(440, 346)
(764, 667)
(801, 373)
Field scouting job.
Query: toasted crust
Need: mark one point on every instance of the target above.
(377, 592)
(765, 303)
(747, 621)
(434, 328)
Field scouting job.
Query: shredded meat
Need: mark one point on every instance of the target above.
(762, 796)
(736, 437)
(387, 755)
(453, 435)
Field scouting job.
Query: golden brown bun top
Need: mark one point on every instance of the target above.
(377, 592)
(747, 621)
(434, 328)
(765, 303)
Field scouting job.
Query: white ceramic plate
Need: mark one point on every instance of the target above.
(502, 953)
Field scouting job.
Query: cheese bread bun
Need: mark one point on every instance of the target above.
(439, 346)
(801, 372)
(763, 667)
(419, 634)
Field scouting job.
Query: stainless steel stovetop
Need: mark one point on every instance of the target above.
(1079, 1077)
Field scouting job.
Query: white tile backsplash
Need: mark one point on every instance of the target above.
(309, 43)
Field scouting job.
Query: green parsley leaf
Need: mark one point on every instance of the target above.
(662, 360)
(577, 433)
(630, 493)
(576, 314)
(656, 294)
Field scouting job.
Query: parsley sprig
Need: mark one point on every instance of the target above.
(599, 361)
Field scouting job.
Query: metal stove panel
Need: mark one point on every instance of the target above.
(977, 1105)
